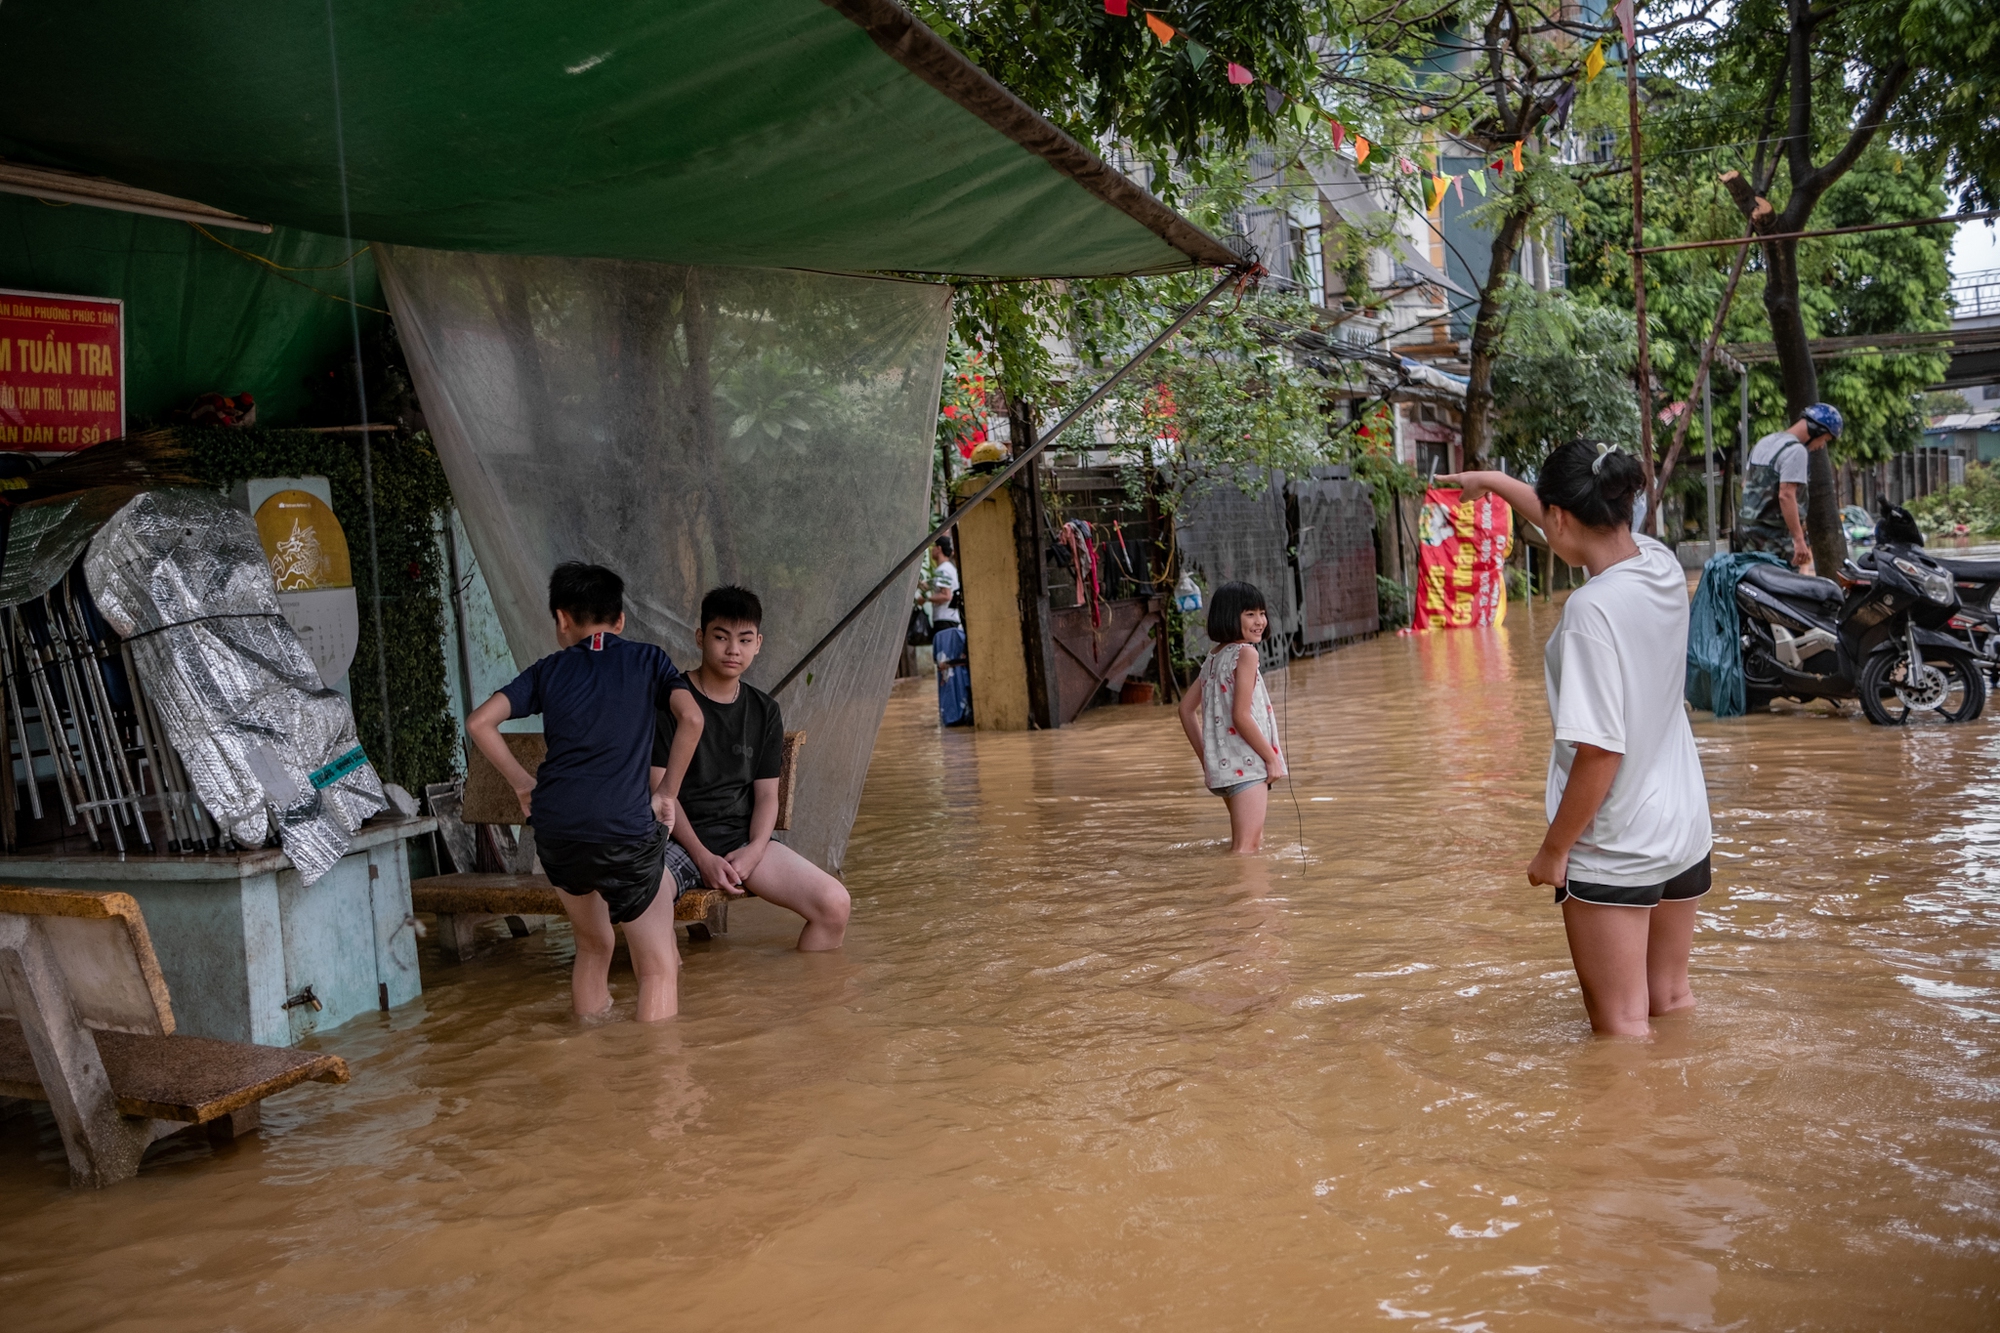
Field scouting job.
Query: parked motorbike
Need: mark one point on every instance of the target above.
(1887, 640)
(1977, 621)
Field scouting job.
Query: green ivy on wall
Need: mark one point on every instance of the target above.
(410, 494)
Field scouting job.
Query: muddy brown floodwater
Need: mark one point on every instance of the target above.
(1078, 1068)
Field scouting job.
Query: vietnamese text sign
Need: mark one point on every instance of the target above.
(62, 371)
(1461, 554)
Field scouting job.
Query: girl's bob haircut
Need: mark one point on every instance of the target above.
(1226, 608)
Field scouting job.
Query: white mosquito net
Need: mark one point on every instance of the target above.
(690, 427)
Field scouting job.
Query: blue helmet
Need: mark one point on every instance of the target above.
(1825, 417)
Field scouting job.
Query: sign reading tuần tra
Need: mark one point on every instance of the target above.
(62, 371)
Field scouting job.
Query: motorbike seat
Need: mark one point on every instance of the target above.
(1972, 571)
(1788, 583)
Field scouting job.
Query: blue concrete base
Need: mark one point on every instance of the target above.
(239, 935)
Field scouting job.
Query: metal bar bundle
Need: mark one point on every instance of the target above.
(75, 712)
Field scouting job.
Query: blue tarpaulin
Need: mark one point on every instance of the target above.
(1715, 638)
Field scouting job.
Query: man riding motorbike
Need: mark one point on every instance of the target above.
(1772, 516)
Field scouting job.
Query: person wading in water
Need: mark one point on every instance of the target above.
(1627, 849)
(1772, 518)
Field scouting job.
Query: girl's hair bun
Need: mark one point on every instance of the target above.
(1593, 481)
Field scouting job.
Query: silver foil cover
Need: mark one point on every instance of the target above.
(183, 577)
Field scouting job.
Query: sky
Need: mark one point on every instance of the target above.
(1975, 249)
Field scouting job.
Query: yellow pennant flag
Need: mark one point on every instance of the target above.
(1593, 64)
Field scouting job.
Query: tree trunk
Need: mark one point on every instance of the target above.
(1487, 327)
(1801, 381)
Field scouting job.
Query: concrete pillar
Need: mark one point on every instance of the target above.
(989, 572)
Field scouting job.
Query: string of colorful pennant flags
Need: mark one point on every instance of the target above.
(1275, 99)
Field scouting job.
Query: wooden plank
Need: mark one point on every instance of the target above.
(105, 954)
(522, 895)
(189, 1079)
(61, 1061)
(788, 776)
(488, 798)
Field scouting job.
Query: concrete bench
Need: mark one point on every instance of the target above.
(464, 901)
(86, 1025)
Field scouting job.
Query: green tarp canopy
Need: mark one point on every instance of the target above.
(771, 133)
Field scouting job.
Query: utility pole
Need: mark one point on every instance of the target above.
(1653, 505)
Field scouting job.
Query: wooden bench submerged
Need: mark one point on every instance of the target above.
(462, 902)
(87, 1026)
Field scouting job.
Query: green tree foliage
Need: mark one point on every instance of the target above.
(1567, 375)
(410, 496)
(1102, 75)
(1872, 282)
(1972, 508)
(1804, 92)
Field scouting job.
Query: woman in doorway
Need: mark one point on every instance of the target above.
(1627, 848)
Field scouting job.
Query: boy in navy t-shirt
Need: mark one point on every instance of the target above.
(601, 812)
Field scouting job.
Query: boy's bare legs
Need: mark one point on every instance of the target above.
(656, 957)
(590, 977)
(1246, 818)
(796, 884)
(1608, 945)
(1668, 944)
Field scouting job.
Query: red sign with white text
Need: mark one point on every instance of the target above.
(1461, 560)
(62, 372)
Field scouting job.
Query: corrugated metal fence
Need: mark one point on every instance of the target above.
(1307, 542)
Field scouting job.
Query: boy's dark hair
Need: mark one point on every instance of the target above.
(739, 606)
(1226, 608)
(592, 594)
(944, 544)
(1591, 481)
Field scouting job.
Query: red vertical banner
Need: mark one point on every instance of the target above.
(1461, 560)
(62, 372)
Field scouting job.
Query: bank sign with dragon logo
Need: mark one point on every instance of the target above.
(62, 371)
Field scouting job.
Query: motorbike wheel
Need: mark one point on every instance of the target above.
(1952, 686)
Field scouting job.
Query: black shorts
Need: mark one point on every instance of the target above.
(1690, 883)
(625, 874)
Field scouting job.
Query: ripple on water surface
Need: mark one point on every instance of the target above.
(1079, 1068)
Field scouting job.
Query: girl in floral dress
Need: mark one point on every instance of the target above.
(1227, 715)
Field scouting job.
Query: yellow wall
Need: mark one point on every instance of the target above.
(990, 575)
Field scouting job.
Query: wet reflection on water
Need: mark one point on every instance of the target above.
(1079, 1068)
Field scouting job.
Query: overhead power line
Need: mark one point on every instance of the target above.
(1806, 235)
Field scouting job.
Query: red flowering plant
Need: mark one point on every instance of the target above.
(962, 405)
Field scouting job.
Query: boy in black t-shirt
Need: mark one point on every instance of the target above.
(729, 800)
(597, 806)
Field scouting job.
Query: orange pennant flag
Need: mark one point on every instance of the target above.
(1517, 155)
(1438, 198)
(1360, 150)
(1160, 28)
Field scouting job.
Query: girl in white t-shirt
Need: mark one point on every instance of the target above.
(1227, 714)
(1627, 847)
